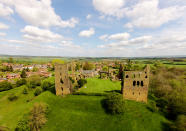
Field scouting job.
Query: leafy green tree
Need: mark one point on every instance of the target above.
(115, 104)
(23, 74)
(5, 85)
(33, 81)
(120, 73)
(38, 116)
(81, 82)
(78, 66)
(38, 91)
(21, 82)
(11, 60)
(88, 66)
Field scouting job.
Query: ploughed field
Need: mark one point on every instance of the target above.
(82, 111)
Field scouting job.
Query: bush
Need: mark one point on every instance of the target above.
(38, 116)
(12, 97)
(34, 81)
(48, 85)
(25, 90)
(20, 82)
(115, 104)
(81, 82)
(23, 74)
(5, 85)
(38, 91)
(180, 123)
(23, 124)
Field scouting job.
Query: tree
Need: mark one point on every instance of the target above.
(88, 66)
(34, 81)
(5, 85)
(10, 60)
(81, 82)
(20, 82)
(115, 103)
(78, 66)
(38, 116)
(23, 73)
(38, 91)
(120, 73)
(128, 66)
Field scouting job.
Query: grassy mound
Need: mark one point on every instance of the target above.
(80, 112)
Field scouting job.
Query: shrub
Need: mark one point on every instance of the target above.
(81, 82)
(5, 85)
(115, 104)
(38, 91)
(48, 85)
(34, 81)
(23, 124)
(12, 97)
(180, 123)
(38, 116)
(25, 90)
(20, 82)
(23, 74)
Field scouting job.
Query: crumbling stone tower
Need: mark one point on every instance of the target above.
(135, 85)
(63, 84)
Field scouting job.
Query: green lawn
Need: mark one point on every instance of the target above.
(81, 112)
(95, 85)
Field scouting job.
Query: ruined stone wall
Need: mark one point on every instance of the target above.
(62, 83)
(135, 85)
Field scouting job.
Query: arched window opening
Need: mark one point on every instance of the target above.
(141, 83)
(134, 76)
(138, 83)
(133, 93)
(139, 93)
(134, 83)
(145, 76)
(127, 76)
(61, 81)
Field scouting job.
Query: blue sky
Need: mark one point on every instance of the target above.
(123, 28)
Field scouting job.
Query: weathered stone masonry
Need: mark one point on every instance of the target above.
(63, 84)
(135, 85)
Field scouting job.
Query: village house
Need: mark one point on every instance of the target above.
(12, 76)
(88, 73)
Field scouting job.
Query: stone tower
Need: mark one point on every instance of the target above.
(63, 84)
(135, 85)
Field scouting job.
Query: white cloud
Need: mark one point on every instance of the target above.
(123, 43)
(39, 13)
(3, 26)
(2, 34)
(110, 7)
(104, 37)
(141, 14)
(36, 34)
(5, 11)
(147, 14)
(89, 16)
(119, 36)
(87, 33)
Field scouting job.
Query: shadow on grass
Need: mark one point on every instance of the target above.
(89, 94)
(104, 106)
(113, 91)
(167, 126)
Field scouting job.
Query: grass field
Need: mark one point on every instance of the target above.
(81, 112)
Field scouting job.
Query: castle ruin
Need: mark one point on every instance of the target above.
(135, 85)
(63, 84)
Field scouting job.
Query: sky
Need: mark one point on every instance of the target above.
(93, 28)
